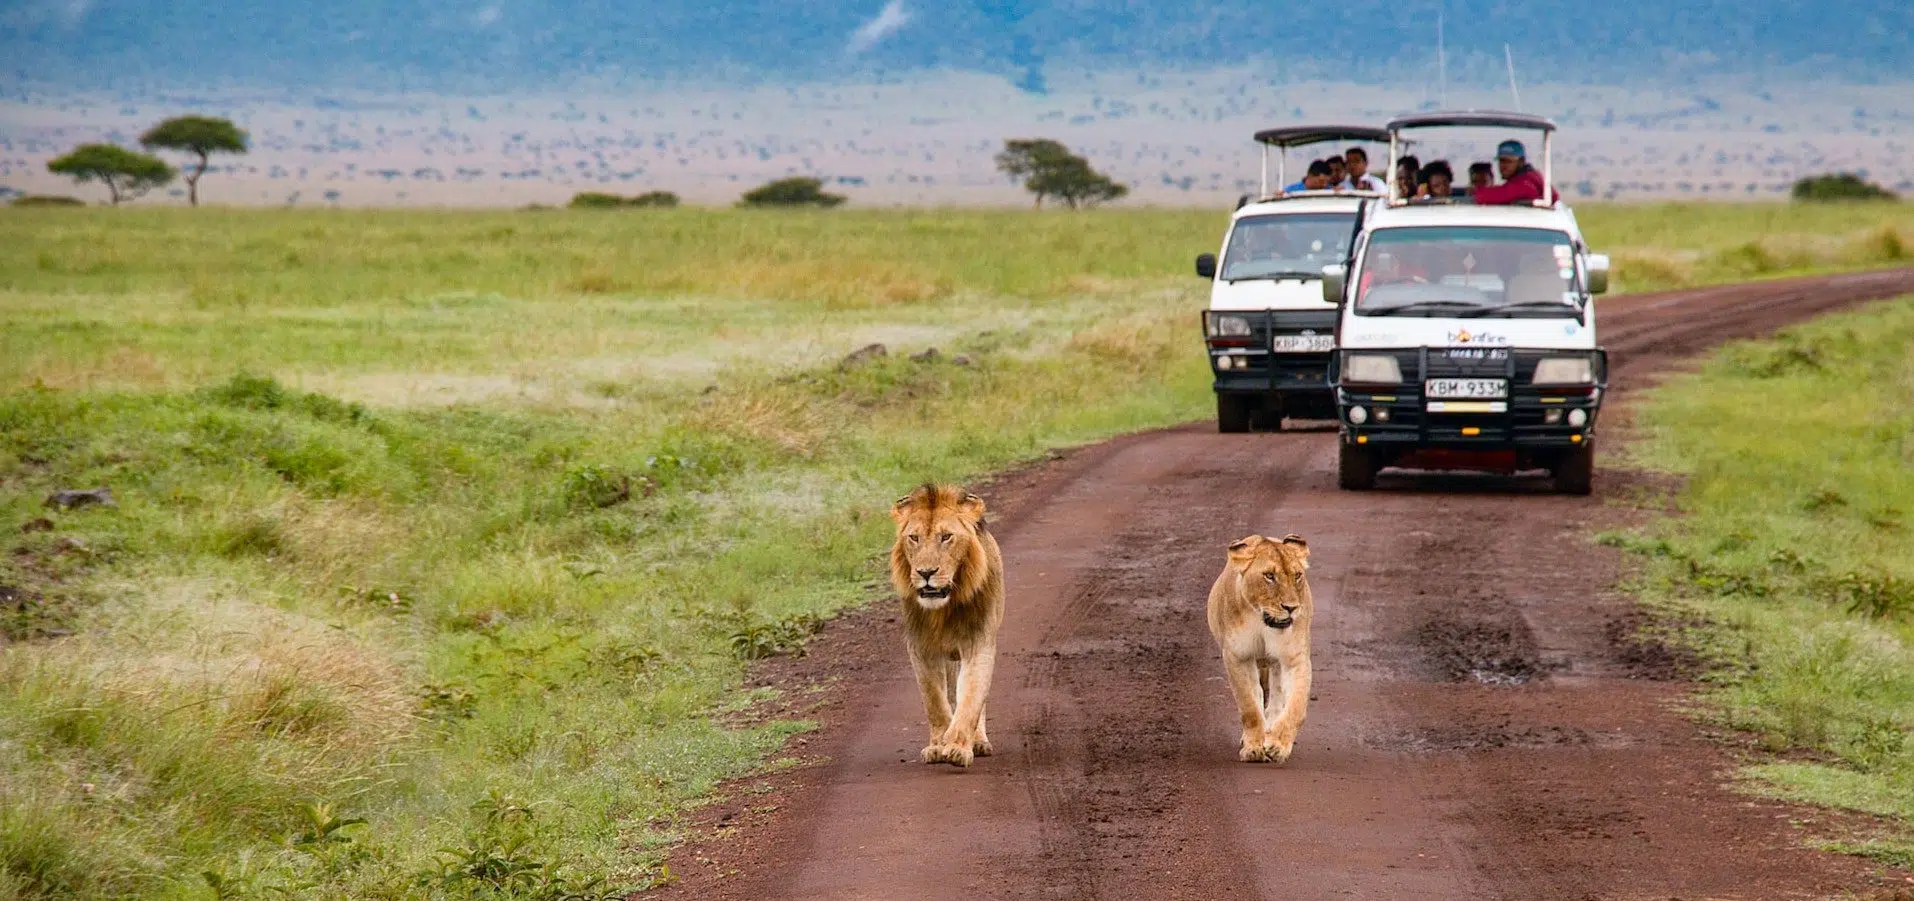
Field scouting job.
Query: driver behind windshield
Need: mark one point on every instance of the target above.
(1286, 246)
(1468, 271)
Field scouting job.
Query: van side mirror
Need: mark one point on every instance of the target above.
(1206, 265)
(1335, 279)
(1597, 273)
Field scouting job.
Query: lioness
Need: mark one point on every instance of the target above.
(1259, 612)
(949, 577)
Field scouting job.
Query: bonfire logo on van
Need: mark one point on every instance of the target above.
(1464, 336)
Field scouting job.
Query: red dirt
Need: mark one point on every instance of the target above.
(1479, 730)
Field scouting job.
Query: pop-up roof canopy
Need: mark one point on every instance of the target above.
(1470, 119)
(1305, 135)
(1474, 119)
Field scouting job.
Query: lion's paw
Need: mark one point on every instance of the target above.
(1280, 753)
(953, 754)
(981, 747)
(1253, 752)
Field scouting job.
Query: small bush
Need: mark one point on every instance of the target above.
(599, 200)
(1839, 186)
(1876, 595)
(755, 638)
(664, 199)
(596, 200)
(792, 192)
(47, 200)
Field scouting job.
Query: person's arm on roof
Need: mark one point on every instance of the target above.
(1525, 187)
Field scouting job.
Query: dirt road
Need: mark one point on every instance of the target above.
(1477, 732)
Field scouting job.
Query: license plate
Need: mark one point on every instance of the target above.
(1302, 344)
(1470, 388)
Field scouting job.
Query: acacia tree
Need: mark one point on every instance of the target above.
(1049, 169)
(127, 174)
(201, 136)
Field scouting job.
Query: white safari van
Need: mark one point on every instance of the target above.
(1466, 334)
(1268, 330)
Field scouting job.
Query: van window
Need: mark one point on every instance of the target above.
(1287, 246)
(1469, 271)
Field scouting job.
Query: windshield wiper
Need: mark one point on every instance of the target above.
(1274, 277)
(1525, 305)
(1422, 306)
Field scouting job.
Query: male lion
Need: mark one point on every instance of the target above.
(1260, 609)
(949, 577)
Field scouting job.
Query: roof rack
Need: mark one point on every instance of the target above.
(1273, 196)
(1304, 135)
(1475, 119)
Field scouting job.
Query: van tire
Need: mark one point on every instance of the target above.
(1355, 468)
(1575, 472)
(1233, 413)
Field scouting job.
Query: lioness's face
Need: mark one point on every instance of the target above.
(935, 535)
(1273, 576)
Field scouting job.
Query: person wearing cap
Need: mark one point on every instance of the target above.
(1520, 182)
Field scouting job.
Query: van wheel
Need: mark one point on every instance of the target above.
(1232, 413)
(1575, 473)
(1355, 468)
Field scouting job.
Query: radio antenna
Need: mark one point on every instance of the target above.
(1509, 56)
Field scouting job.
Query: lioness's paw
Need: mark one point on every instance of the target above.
(981, 747)
(1253, 753)
(1280, 753)
(932, 754)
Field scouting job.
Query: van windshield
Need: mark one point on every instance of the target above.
(1469, 272)
(1293, 245)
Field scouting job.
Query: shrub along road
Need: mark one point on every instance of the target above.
(1479, 730)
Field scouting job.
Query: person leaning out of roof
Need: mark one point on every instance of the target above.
(1316, 179)
(1520, 182)
(1356, 160)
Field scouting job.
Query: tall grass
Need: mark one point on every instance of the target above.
(1795, 543)
(465, 525)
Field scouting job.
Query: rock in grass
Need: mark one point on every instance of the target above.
(74, 500)
(928, 356)
(37, 524)
(862, 355)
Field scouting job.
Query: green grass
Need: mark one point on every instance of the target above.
(466, 525)
(1795, 545)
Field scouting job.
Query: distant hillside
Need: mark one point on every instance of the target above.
(519, 44)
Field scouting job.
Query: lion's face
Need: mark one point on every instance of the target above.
(1272, 575)
(936, 540)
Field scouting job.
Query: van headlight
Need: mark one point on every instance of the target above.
(1564, 371)
(1228, 326)
(1371, 369)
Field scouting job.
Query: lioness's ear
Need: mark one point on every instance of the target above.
(1243, 550)
(1296, 541)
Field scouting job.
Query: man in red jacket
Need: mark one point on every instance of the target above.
(1520, 182)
